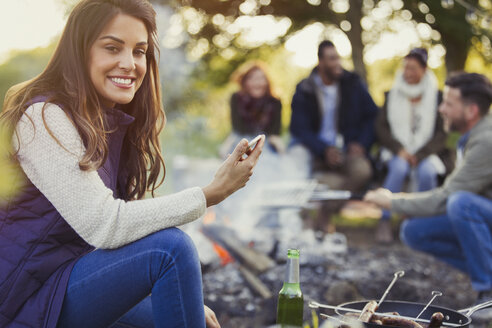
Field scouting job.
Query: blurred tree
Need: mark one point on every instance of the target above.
(217, 27)
(460, 28)
(22, 66)
(477, 63)
(214, 31)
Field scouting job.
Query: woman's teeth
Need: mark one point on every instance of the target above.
(121, 81)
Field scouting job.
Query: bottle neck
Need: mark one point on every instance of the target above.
(292, 273)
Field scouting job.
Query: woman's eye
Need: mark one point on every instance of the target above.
(111, 48)
(140, 52)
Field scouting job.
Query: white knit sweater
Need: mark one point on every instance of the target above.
(81, 197)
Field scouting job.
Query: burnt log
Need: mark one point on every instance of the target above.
(255, 283)
(247, 256)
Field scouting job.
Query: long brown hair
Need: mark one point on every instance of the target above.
(65, 81)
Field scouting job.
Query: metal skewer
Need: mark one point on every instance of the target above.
(331, 195)
(316, 305)
(397, 275)
(435, 293)
(335, 195)
(333, 318)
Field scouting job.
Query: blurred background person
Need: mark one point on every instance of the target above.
(254, 109)
(410, 131)
(332, 126)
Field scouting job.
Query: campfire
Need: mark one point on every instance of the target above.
(242, 250)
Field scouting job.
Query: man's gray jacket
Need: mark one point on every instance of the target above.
(473, 173)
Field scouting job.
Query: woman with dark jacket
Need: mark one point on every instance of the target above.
(410, 131)
(79, 244)
(254, 109)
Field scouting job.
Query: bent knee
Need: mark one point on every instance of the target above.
(182, 241)
(171, 248)
(174, 241)
(398, 167)
(360, 169)
(409, 233)
(426, 172)
(457, 202)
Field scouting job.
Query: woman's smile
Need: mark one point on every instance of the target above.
(123, 82)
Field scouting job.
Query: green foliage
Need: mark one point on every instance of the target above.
(217, 70)
(9, 177)
(457, 34)
(477, 63)
(210, 22)
(380, 77)
(22, 66)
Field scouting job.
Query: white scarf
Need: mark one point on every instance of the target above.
(402, 114)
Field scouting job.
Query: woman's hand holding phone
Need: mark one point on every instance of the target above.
(251, 146)
(235, 172)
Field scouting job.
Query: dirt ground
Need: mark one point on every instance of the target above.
(362, 273)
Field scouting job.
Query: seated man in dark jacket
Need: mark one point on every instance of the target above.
(332, 123)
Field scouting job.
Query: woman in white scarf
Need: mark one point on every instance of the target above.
(410, 131)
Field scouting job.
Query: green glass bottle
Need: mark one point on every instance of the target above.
(290, 304)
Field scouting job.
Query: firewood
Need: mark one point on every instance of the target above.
(247, 256)
(255, 283)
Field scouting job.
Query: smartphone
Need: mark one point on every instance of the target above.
(252, 143)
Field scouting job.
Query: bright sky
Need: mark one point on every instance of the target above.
(26, 24)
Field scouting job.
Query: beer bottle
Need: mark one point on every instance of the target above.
(290, 301)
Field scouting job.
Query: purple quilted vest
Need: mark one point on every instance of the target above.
(38, 248)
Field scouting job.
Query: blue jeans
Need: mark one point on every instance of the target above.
(111, 288)
(399, 169)
(461, 238)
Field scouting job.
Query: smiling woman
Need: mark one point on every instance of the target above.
(84, 249)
